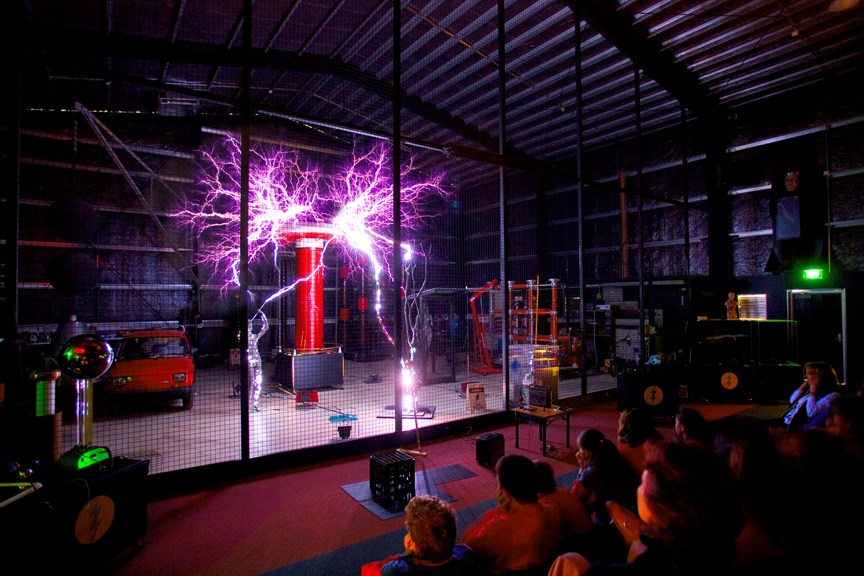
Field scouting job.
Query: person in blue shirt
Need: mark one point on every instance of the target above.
(430, 544)
(811, 402)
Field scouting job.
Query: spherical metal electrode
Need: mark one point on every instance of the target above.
(85, 356)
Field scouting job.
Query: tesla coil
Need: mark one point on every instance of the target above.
(311, 363)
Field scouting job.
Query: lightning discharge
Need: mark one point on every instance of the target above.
(356, 202)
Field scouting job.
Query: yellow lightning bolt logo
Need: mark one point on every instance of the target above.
(653, 395)
(729, 380)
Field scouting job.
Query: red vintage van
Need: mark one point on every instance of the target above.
(153, 364)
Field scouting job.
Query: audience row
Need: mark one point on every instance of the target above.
(719, 498)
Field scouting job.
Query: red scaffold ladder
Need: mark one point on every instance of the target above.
(481, 361)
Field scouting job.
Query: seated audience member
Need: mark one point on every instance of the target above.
(690, 517)
(824, 500)
(811, 401)
(750, 450)
(519, 534)
(846, 419)
(690, 424)
(430, 544)
(635, 428)
(572, 518)
(626, 521)
(603, 475)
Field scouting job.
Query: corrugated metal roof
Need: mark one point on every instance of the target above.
(329, 63)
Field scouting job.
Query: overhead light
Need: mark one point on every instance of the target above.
(841, 5)
(178, 106)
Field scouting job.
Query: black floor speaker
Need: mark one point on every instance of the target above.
(775, 383)
(88, 518)
(490, 447)
(725, 383)
(652, 389)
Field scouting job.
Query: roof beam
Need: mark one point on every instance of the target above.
(61, 44)
(631, 40)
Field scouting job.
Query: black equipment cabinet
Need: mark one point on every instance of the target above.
(311, 369)
(79, 520)
(653, 389)
(743, 360)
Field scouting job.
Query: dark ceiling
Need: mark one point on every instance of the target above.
(327, 65)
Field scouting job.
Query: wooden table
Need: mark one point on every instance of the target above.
(544, 416)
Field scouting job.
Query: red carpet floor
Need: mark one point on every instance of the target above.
(269, 522)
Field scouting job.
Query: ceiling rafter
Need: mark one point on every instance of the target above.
(623, 33)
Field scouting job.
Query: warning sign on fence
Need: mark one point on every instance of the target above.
(475, 397)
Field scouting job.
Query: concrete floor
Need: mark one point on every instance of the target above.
(172, 438)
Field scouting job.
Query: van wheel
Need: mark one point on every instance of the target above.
(187, 401)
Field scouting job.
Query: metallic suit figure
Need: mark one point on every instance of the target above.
(256, 371)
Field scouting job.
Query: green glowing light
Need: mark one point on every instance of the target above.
(813, 274)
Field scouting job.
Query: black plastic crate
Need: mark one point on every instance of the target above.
(391, 479)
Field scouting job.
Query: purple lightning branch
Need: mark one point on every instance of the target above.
(357, 202)
(364, 220)
(281, 191)
(364, 193)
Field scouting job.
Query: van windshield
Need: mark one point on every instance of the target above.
(148, 347)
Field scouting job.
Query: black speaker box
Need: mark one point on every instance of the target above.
(91, 517)
(651, 389)
(775, 383)
(490, 447)
(731, 384)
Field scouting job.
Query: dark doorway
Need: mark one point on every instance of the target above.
(821, 318)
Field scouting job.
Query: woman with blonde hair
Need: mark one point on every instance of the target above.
(430, 544)
(811, 402)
